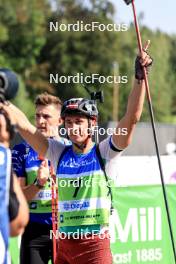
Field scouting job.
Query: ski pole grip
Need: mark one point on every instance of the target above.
(128, 1)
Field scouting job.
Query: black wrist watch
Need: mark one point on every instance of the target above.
(37, 184)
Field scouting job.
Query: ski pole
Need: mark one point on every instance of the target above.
(153, 126)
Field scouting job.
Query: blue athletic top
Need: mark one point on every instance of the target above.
(5, 171)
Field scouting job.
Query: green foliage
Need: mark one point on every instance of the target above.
(172, 64)
(24, 25)
(23, 28)
(161, 76)
(69, 53)
(23, 101)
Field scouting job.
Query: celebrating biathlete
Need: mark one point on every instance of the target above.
(85, 208)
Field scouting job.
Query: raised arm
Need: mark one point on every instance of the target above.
(134, 106)
(26, 129)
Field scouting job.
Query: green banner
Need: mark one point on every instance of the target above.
(139, 226)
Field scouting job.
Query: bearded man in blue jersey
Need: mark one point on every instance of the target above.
(84, 203)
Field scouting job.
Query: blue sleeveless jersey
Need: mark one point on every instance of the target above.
(5, 172)
(84, 198)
